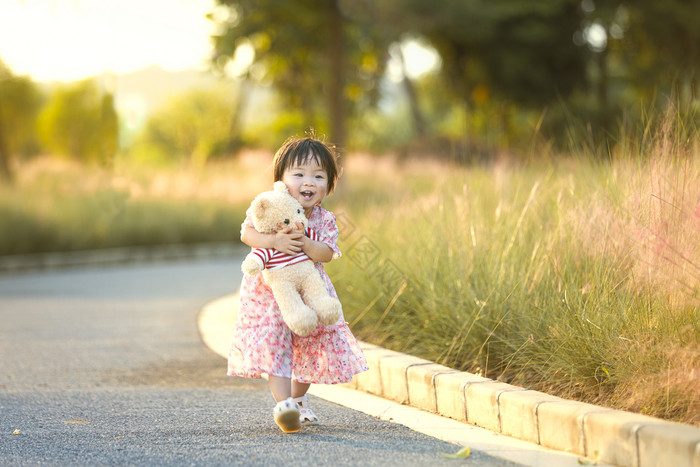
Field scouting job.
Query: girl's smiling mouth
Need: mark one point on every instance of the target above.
(306, 194)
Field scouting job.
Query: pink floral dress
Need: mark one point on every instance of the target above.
(262, 342)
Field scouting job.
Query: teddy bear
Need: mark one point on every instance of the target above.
(296, 284)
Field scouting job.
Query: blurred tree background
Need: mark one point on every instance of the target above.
(80, 121)
(506, 76)
(20, 101)
(506, 68)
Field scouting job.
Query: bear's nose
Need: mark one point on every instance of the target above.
(286, 221)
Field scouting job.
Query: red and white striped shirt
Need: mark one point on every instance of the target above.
(273, 259)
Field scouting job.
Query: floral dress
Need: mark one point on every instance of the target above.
(263, 344)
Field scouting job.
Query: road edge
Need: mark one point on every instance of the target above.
(597, 433)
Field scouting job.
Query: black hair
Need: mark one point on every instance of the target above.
(298, 151)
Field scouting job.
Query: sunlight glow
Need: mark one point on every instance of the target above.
(420, 59)
(75, 39)
(243, 58)
(596, 37)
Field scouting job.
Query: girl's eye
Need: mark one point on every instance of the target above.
(320, 177)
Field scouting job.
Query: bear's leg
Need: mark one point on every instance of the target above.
(317, 297)
(300, 318)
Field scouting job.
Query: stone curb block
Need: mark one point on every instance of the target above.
(666, 443)
(482, 403)
(613, 435)
(449, 393)
(561, 424)
(393, 371)
(421, 384)
(518, 413)
(606, 435)
(371, 380)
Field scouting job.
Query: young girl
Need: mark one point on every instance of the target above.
(262, 342)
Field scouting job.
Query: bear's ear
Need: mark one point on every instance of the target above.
(259, 206)
(281, 187)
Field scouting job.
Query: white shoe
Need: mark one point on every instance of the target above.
(306, 416)
(287, 416)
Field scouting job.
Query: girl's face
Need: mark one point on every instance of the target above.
(307, 182)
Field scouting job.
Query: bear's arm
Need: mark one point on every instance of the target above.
(255, 239)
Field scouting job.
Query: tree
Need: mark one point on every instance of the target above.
(80, 122)
(19, 103)
(108, 129)
(323, 62)
(192, 127)
(661, 45)
(496, 57)
(519, 50)
(640, 51)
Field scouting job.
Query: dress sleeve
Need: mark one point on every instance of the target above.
(328, 233)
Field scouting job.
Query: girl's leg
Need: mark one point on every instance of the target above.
(286, 412)
(299, 389)
(280, 387)
(283, 388)
(306, 415)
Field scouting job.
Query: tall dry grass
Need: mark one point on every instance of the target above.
(58, 205)
(579, 277)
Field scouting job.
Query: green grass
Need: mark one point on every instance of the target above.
(577, 278)
(56, 206)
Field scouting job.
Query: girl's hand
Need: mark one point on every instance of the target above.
(289, 240)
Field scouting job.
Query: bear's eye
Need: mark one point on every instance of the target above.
(298, 211)
(286, 221)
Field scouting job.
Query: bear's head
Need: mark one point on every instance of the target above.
(276, 209)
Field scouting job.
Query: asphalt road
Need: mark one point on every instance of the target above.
(105, 366)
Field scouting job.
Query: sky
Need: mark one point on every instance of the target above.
(67, 40)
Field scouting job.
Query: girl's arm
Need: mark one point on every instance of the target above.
(319, 252)
(287, 240)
